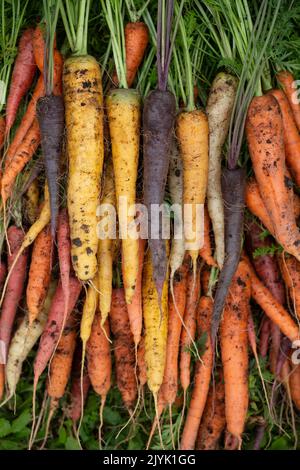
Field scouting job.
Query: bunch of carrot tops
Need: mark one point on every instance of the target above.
(183, 103)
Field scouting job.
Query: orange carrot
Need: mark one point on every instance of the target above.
(99, 363)
(213, 421)
(272, 308)
(23, 154)
(39, 273)
(38, 43)
(99, 358)
(189, 332)
(176, 310)
(255, 204)
(234, 350)
(123, 348)
(205, 251)
(202, 377)
(60, 369)
(2, 130)
(264, 131)
(135, 310)
(61, 364)
(291, 135)
(290, 270)
(136, 41)
(26, 121)
(287, 81)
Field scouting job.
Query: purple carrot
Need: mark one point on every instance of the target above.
(158, 123)
(233, 190)
(50, 114)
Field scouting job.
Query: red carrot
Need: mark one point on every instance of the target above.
(22, 77)
(14, 288)
(54, 325)
(74, 410)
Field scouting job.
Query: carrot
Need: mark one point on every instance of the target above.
(39, 273)
(157, 144)
(22, 77)
(205, 252)
(205, 278)
(14, 291)
(175, 183)
(123, 349)
(268, 158)
(38, 43)
(61, 363)
(291, 135)
(26, 122)
(99, 364)
(264, 336)
(53, 326)
(266, 265)
(75, 408)
(60, 369)
(272, 308)
(30, 236)
(155, 328)
(64, 253)
(31, 202)
(50, 115)
(106, 243)
(2, 131)
(123, 110)
(84, 126)
(288, 83)
(268, 271)
(188, 333)
(234, 350)
(158, 123)
(213, 421)
(192, 133)
(294, 383)
(136, 41)
(234, 218)
(177, 303)
(88, 314)
(142, 368)
(290, 269)
(23, 341)
(135, 309)
(22, 156)
(202, 377)
(2, 380)
(255, 204)
(219, 108)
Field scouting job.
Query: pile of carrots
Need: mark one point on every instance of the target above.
(173, 323)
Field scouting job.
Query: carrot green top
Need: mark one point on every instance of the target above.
(75, 16)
